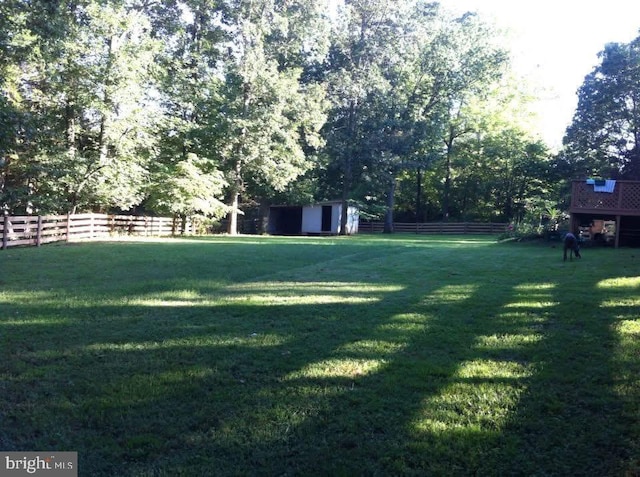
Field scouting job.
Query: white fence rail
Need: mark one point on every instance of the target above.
(41, 229)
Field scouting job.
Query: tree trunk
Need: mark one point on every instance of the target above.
(344, 214)
(70, 120)
(232, 228)
(446, 193)
(388, 217)
(263, 225)
(106, 98)
(348, 168)
(419, 214)
(235, 199)
(346, 186)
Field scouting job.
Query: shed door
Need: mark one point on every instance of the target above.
(326, 218)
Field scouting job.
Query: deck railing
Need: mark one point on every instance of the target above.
(623, 200)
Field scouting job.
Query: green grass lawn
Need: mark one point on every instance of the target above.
(367, 355)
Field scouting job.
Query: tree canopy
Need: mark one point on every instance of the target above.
(604, 137)
(213, 108)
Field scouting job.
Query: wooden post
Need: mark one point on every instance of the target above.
(617, 242)
(5, 231)
(39, 232)
(68, 226)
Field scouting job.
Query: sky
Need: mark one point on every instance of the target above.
(555, 44)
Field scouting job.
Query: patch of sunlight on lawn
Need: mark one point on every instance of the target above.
(491, 369)
(621, 302)
(629, 327)
(172, 298)
(507, 341)
(452, 294)
(620, 282)
(272, 293)
(308, 293)
(534, 286)
(483, 393)
(404, 324)
(372, 347)
(255, 340)
(312, 299)
(532, 304)
(479, 405)
(626, 357)
(481, 396)
(35, 321)
(338, 368)
(532, 296)
(26, 297)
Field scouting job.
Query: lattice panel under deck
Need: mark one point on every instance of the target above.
(630, 198)
(585, 198)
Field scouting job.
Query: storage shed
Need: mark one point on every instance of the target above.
(317, 219)
(606, 209)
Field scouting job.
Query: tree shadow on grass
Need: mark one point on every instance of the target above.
(571, 421)
(441, 374)
(546, 407)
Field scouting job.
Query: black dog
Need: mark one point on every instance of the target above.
(571, 244)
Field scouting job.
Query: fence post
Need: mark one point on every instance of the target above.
(5, 230)
(39, 232)
(68, 226)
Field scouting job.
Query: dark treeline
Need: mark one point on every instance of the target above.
(220, 107)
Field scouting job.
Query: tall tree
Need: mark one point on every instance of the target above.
(485, 146)
(82, 92)
(109, 129)
(604, 136)
(363, 48)
(22, 123)
(266, 112)
(418, 66)
(13, 40)
(193, 40)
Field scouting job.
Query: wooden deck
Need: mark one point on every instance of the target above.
(622, 205)
(623, 201)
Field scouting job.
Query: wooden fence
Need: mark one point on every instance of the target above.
(38, 230)
(436, 227)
